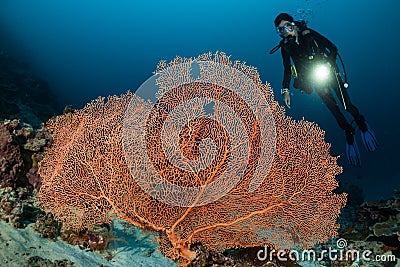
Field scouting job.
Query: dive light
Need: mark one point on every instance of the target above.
(321, 73)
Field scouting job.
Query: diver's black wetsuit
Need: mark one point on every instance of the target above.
(311, 43)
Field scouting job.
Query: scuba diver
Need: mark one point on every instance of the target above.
(314, 69)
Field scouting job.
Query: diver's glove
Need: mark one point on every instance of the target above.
(286, 96)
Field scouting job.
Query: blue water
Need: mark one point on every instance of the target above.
(88, 48)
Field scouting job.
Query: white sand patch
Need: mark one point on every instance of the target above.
(16, 245)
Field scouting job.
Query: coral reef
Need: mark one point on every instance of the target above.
(205, 257)
(21, 148)
(11, 161)
(374, 226)
(382, 219)
(18, 207)
(36, 261)
(95, 239)
(245, 257)
(371, 226)
(86, 179)
(11, 207)
(46, 226)
(35, 147)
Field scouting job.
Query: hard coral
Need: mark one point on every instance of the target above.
(47, 226)
(87, 180)
(17, 206)
(11, 207)
(11, 161)
(38, 261)
(375, 226)
(95, 239)
(21, 148)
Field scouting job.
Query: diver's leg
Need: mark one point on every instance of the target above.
(352, 152)
(328, 99)
(343, 95)
(367, 135)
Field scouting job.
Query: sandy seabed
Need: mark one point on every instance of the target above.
(137, 249)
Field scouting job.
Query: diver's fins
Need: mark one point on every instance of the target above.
(353, 155)
(369, 139)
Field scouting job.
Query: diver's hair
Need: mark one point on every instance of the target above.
(282, 16)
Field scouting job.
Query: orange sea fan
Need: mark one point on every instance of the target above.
(98, 168)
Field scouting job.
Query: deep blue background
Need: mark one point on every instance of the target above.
(88, 48)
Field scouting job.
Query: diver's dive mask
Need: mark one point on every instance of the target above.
(286, 28)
